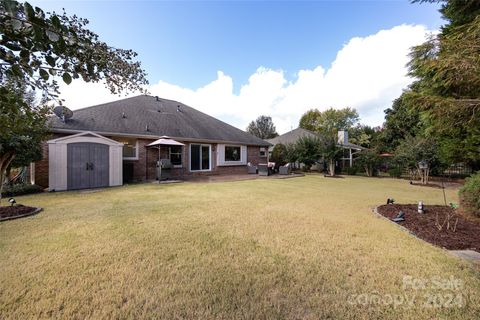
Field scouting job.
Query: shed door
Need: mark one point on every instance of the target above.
(87, 165)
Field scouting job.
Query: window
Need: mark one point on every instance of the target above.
(130, 148)
(176, 155)
(232, 153)
(200, 157)
(263, 152)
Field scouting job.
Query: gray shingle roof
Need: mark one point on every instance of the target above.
(295, 134)
(292, 136)
(132, 116)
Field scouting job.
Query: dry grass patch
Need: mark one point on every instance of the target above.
(296, 248)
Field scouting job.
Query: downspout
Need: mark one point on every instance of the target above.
(146, 163)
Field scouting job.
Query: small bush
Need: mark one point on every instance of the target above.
(395, 172)
(351, 170)
(19, 189)
(470, 195)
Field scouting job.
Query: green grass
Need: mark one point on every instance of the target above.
(294, 248)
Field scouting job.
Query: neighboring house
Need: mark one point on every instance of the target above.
(114, 143)
(349, 149)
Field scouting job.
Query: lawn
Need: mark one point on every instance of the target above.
(296, 248)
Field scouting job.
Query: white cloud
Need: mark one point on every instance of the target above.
(367, 74)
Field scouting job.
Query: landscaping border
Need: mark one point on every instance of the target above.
(37, 210)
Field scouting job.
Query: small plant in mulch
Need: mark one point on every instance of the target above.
(14, 210)
(440, 225)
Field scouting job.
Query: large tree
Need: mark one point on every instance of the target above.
(22, 128)
(401, 120)
(36, 49)
(329, 120)
(447, 89)
(263, 128)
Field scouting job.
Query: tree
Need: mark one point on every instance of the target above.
(401, 120)
(364, 136)
(330, 150)
(413, 150)
(328, 120)
(308, 150)
(369, 160)
(279, 155)
(263, 128)
(291, 155)
(37, 47)
(22, 129)
(447, 90)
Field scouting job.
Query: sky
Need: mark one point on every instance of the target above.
(237, 60)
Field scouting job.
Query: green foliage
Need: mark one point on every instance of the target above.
(329, 120)
(412, 150)
(365, 136)
(308, 150)
(37, 47)
(22, 128)
(369, 160)
(19, 189)
(279, 155)
(470, 194)
(263, 128)
(401, 120)
(395, 172)
(291, 155)
(352, 170)
(447, 92)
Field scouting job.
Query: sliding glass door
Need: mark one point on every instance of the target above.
(200, 155)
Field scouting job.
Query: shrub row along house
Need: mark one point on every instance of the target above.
(123, 141)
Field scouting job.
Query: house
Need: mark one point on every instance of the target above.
(123, 141)
(349, 149)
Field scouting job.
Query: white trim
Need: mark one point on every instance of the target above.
(32, 172)
(221, 155)
(190, 156)
(136, 150)
(85, 133)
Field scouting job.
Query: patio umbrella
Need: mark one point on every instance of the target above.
(165, 141)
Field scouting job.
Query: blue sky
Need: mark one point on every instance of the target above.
(185, 44)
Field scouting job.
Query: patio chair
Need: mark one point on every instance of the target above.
(263, 170)
(284, 170)
(252, 169)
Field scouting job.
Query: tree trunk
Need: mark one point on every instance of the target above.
(5, 161)
(331, 167)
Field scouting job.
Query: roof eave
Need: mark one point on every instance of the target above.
(155, 137)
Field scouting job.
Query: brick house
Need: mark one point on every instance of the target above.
(113, 143)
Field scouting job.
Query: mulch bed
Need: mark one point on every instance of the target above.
(466, 236)
(9, 212)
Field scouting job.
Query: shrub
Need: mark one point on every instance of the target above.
(279, 155)
(395, 172)
(19, 189)
(352, 170)
(470, 195)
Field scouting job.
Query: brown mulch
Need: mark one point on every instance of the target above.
(466, 236)
(18, 210)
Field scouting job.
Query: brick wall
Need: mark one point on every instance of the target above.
(41, 168)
